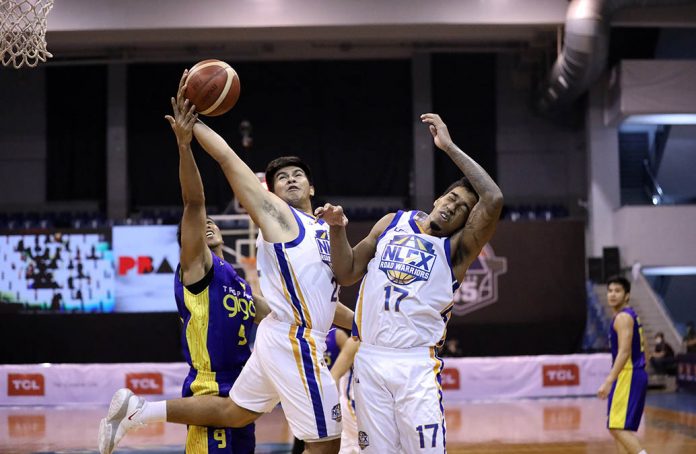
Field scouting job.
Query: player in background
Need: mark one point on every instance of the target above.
(295, 273)
(412, 263)
(627, 382)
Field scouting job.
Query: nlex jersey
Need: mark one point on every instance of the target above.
(287, 363)
(404, 304)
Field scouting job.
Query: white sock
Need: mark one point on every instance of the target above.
(643, 452)
(153, 412)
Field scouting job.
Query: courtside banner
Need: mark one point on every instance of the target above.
(515, 377)
(146, 257)
(58, 384)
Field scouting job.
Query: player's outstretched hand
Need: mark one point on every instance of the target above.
(185, 115)
(332, 215)
(438, 129)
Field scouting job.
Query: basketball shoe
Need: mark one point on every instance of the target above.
(124, 412)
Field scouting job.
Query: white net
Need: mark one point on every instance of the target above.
(23, 32)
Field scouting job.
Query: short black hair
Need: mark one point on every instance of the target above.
(465, 183)
(622, 281)
(285, 161)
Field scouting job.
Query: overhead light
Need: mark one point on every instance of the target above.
(661, 119)
(669, 270)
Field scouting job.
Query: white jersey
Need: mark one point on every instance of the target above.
(296, 277)
(406, 296)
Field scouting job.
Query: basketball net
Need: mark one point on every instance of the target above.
(23, 32)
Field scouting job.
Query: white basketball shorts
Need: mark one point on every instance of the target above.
(398, 400)
(287, 366)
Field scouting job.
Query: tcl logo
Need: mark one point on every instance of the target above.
(25, 385)
(561, 375)
(145, 383)
(450, 379)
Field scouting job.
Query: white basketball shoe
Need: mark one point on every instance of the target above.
(124, 412)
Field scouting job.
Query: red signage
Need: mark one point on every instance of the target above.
(450, 379)
(26, 426)
(145, 383)
(561, 375)
(25, 385)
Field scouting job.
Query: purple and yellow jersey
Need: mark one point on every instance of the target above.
(217, 321)
(637, 358)
(332, 350)
(627, 395)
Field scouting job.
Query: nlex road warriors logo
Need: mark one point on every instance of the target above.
(480, 285)
(336, 413)
(407, 258)
(323, 246)
(363, 440)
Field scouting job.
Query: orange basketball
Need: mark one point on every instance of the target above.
(213, 87)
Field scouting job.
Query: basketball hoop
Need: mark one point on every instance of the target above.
(23, 32)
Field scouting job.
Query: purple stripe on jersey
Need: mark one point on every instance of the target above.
(448, 255)
(637, 358)
(439, 392)
(301, 234)
(392, 224)
(636, 398)
(412, 222)
(332, 349)
(225, 292)
(183, 313)
(312, 383)
(287, 278)
(355, 332)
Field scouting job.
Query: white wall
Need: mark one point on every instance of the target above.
(656, 235)
(22, 138)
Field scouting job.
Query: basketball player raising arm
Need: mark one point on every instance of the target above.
(198, 234)
(467, 212)
(296, 278)
(411, 264)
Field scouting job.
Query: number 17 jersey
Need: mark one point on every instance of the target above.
(405, 298)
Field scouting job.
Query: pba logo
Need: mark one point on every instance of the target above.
(324, 247)
(145, 383)
(25, 385)
(480, 285)
(142, 264)
(407, 258)
(561, 375)
(450, 379)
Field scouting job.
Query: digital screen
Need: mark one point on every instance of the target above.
(58, 271)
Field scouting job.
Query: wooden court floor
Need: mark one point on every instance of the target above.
(571, 425)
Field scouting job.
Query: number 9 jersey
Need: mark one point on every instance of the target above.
(406, 296)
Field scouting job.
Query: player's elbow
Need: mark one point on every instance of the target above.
(346, 279)
(194, 200)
